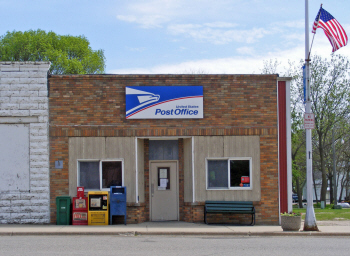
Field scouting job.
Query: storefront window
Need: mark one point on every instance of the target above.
(100, 175)
(232, 173)
(111, 174)
(217, 174)
(89, 175)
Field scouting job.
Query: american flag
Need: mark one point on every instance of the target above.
(331, 27)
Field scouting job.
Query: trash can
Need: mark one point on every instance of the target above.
(117, 197)
(63, 210)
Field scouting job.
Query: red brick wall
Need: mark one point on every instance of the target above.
(59, 183)
(94, 105)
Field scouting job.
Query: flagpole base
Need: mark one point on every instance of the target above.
(310, 228)
(310, 219)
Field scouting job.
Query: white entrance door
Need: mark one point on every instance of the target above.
(164, 191)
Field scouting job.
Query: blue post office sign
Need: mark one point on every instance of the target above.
(164, 102)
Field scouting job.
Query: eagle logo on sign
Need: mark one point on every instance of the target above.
(144, 98)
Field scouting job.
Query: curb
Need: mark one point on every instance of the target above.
(133, 233)
(180, 233)
(297, 233)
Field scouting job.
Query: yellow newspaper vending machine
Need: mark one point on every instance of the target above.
(98, 207)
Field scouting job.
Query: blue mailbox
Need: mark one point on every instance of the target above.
(117, 200)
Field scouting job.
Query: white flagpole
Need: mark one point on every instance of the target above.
(310, 220)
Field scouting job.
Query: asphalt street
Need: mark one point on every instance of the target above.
(173, 245)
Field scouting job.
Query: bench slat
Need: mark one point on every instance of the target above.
(229, 202)
(248, 212)
(230, 209)
(230, 206)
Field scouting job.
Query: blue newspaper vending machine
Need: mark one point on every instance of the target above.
(117, 199)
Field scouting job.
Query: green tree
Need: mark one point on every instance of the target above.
(67, 54)
(298, 151)
(330, 96)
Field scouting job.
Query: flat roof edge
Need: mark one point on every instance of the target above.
(284, 78)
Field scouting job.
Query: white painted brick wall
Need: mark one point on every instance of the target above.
(41, 190)
(23, 93)
(20, 100)
(29, 106)
(38, 145)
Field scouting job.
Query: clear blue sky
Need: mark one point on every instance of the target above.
(182, 36)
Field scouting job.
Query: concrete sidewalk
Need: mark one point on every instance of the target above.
(171, 228)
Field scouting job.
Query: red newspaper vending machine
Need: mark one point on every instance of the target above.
(80, 208)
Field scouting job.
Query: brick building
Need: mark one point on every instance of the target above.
(171, 165)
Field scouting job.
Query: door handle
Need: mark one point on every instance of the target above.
(152, 189)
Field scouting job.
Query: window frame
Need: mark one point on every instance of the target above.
(100, 161)
(228, 173)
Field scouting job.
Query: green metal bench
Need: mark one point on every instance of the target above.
(234, 207)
